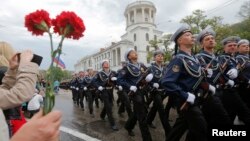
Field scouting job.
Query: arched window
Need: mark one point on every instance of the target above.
(135, 48)
(134, 37)
(147, 37)
(155, 37)
(147, 48)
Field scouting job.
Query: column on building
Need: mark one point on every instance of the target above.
(153, 16)
(95, 63)
(118, 52)
(129, 20)
(150, 15)
(114, 59)
(135, 20)
(143, 14)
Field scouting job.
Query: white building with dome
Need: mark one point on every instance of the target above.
(140, 29)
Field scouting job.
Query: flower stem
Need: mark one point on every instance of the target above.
(50, 97)
(51, 49)
(60, 49)
(49, 94)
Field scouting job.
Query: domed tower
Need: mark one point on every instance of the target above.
(140, 13)
(141, 28)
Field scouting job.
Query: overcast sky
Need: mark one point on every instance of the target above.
(104, 21)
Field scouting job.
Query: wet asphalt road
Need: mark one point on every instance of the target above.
(75, 121)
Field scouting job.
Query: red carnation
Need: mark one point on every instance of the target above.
(38, 22)
(69, 25)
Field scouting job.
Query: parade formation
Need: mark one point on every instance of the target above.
(207, 89)
(197, 80)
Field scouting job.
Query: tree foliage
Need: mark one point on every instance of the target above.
(199, 21)
(245, 10)
(155, 44)
(59, 74)
(242, 29)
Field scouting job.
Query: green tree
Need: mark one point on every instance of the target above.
(66, 74)
(245, 10)
(199, 21)
(195, 20)
(168, 50)
(61, 74)
(242, 28)
(153, 44)
(221, 33)
(165, 41)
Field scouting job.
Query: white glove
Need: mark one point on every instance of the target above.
(232, 73)
(209, 73)
(85, 88)
(120, 88)
(113, 78)
(156, 85)
(230, 83)
(71, 87)
(77, 88)
(191, 98)
(212, 89)
(133, 88)
(249, 82)
(100, 88)
(149, 77)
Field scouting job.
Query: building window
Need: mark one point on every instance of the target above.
(134, 37)
(147, 48)
(135, 48)
(108, 54)
(132, 20)
(90, 63)
(146, 16)
(147, 37)
(155, 37)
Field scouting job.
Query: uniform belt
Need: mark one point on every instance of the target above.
(91, 89)
(236, 86)
(108, 88)
(141, 87)
(160, 90)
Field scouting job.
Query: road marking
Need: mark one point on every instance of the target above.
(78, 134)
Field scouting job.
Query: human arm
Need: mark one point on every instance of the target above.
(24, 87)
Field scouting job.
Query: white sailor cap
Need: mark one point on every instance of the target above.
(243, 41)
(103, 61)
(127, 53)
(183, 29)
(230, 39)
(205, 32)
(158, 52)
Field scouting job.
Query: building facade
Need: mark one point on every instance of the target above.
(140, 29)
